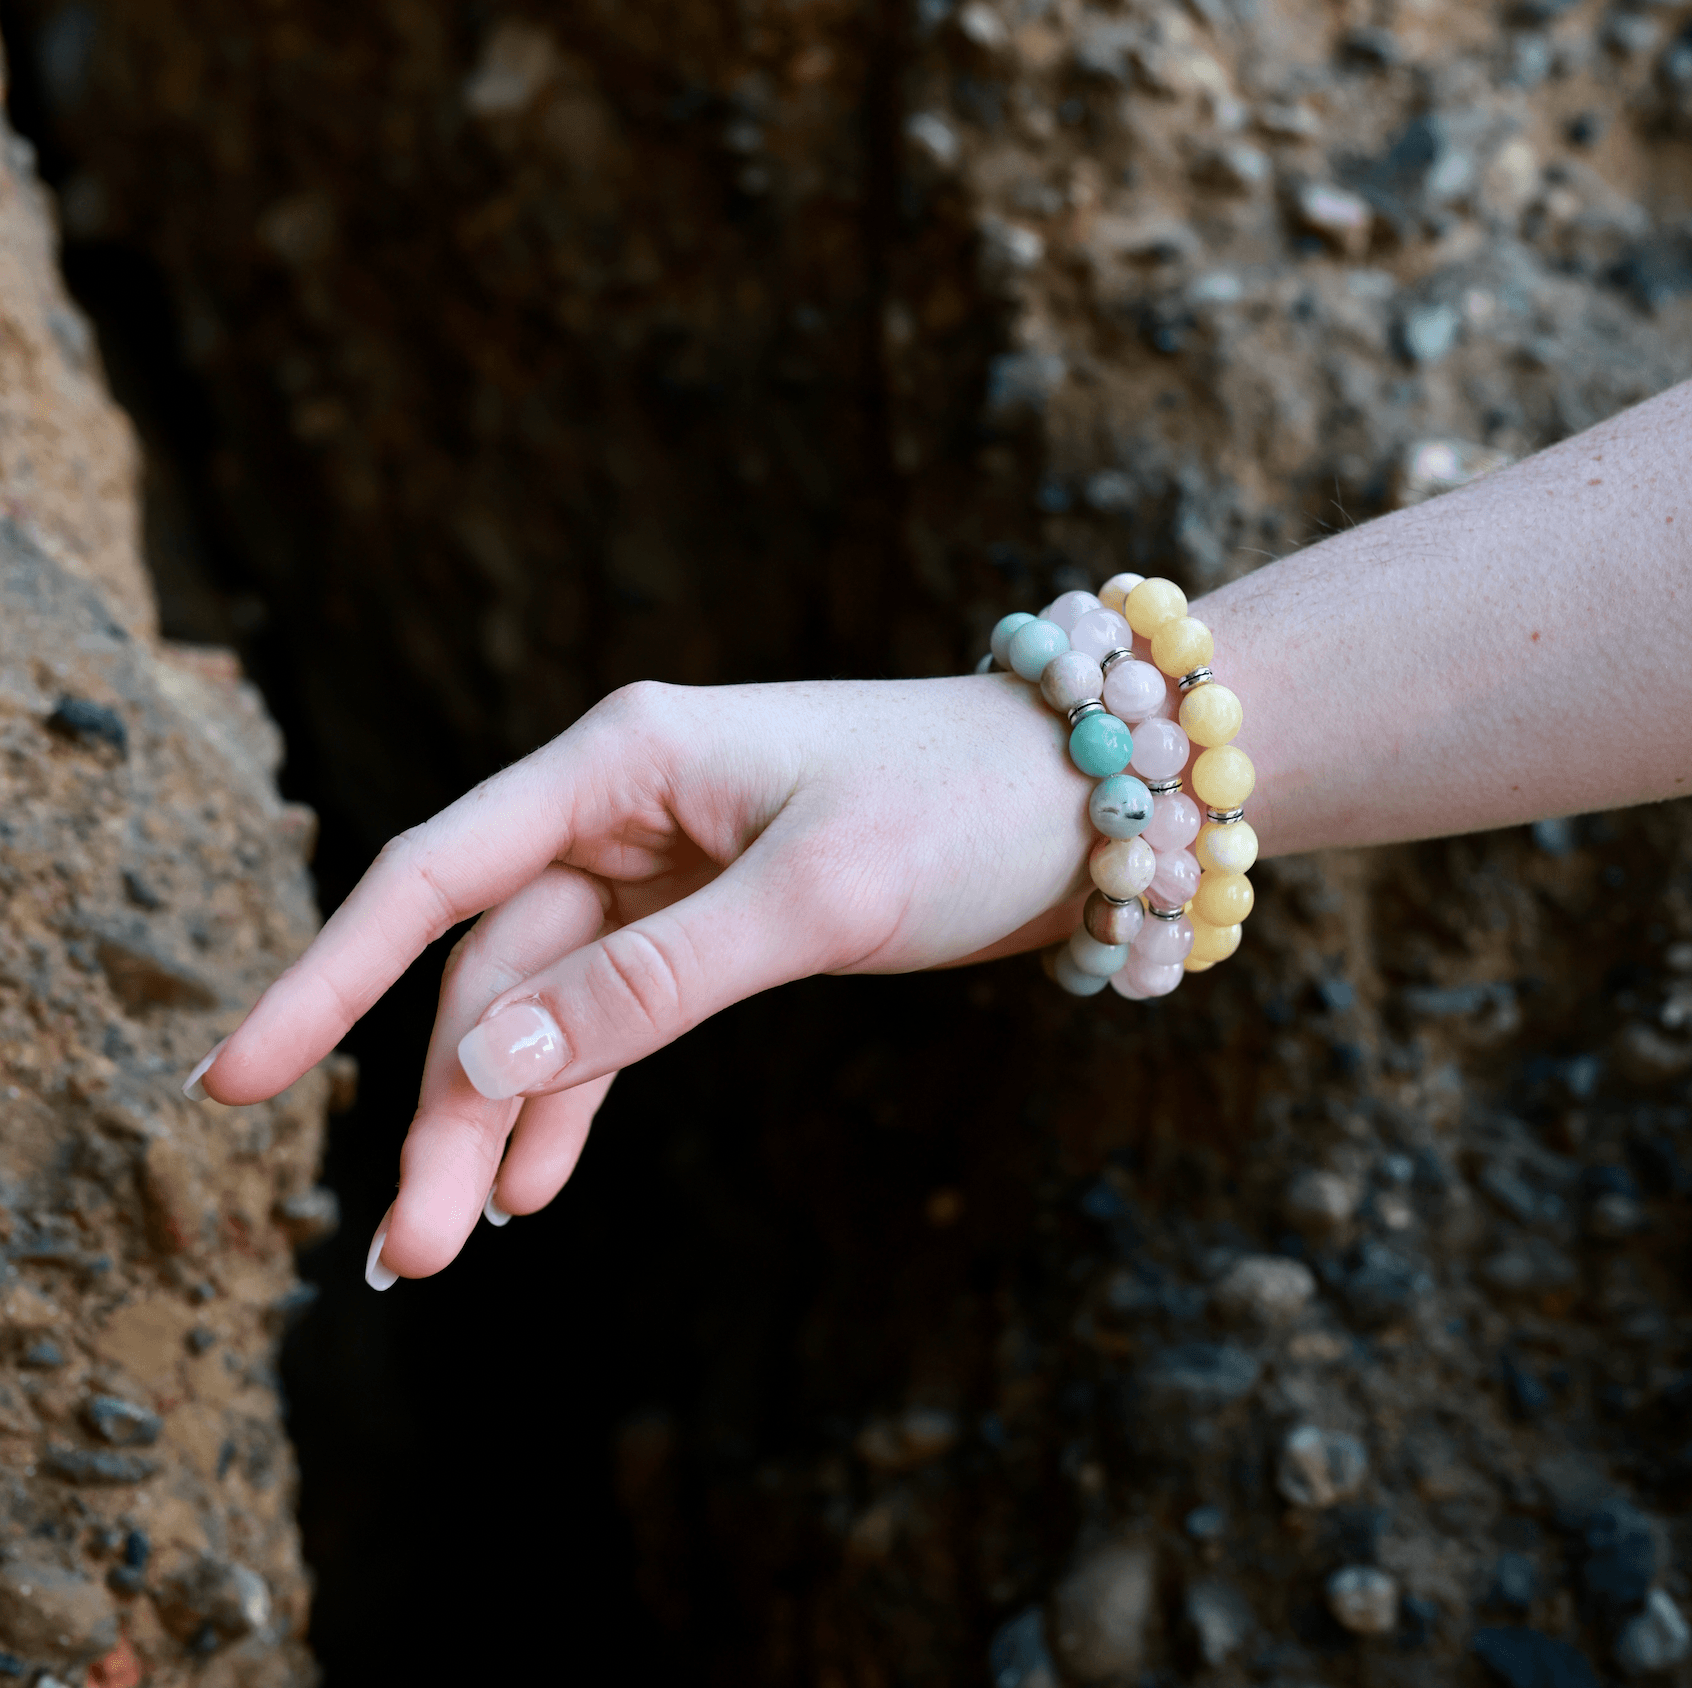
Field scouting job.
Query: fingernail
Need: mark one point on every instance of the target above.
(493, 1212)
(519, 1049)
(376, 1274)
(193, 1089)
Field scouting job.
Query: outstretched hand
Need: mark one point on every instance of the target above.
(675, 851)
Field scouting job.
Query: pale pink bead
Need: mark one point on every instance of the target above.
(1070, 679)
(1134, 690)
(1160, 750)
(1068, 608)
(1150, 978)
(1175, 817)
(1167, 942)
(1119, 983)
(1176, 878)
(1099, 632)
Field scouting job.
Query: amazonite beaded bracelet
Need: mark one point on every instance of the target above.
(1158, 909)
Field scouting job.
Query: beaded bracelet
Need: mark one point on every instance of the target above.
(1158, 909)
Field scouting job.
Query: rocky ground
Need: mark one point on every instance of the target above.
(150, 879)
(1324, 1324)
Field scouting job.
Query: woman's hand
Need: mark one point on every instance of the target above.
(673, 852)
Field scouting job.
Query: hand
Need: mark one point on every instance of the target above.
(673, 852)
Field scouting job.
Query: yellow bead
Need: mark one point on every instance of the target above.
(1223, 777)
(1210, 714)
(1226, 849)
(1181, 645)
(1193, 965)
(1152, 603)
(1223, 899)
(1214, 943)
(1114, 593)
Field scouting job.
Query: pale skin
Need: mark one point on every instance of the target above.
(1515, 650)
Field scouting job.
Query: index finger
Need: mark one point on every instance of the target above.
(475, 853)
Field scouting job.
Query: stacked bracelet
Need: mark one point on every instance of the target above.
(1159, 908)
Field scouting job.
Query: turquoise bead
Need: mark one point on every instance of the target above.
(999, 644)
(1033, 645)
(1072, 978)
(1120, 807)
(1101, 745)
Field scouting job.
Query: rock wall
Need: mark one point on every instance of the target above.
(151, 880)
(1325, 1324)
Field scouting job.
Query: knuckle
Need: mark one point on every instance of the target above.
(639, 707)
(641, 978)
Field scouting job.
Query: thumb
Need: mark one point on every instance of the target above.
(603, 1006)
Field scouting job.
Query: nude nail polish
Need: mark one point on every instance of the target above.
(493, 1212)
(193, 1089)
(376, 1274)
(519, 1049)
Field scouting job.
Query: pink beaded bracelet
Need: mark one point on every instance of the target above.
(1159, 909)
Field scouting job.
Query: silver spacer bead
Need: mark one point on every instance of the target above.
(1082, 710)
(1225, 817)
(1198, 677)
(1164, 913)
(1162, 788)
(1110, 659)
(1118, 902)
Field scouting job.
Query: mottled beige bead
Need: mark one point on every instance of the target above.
(1181, 645)
(1214, 943)
(1226, 849)
(1114, 593)
(1224, 777)
(1122, 867)
(1223, 899)
(1193, 965)
(1210, 714)
(1152, 603)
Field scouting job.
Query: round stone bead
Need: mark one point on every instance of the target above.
(1099, 632)
(1210, 714)
(1114, 593)
(1122, 867)
(1181, 645)
(1134, 690)
(1120, 985)
(1152, 603)
(1160, 749)
(1176, 879)
(1072, 978)
(1068, 608)
(1226, 849)
(1101, 960)
(1070, 679)
(1100, 745)
(999, 644)
(1165, 941)
(1214, 943)
(1113, 923)
(1120, 807)
(1192, 966)
(1223, 777)
(1223, 899)
(1174, 823)
(1033, 645)
(1150, 978)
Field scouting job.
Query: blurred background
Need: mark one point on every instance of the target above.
(486, 358)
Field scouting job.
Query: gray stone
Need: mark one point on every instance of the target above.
(1363, 1600)
(1201, 1374)
(231, 1599)
(1264, 1288)
(1319, 1468)
(1220, 1617)
(122, 1423)
(1319, 1201)
(1429, 332)
(1528, 1266)
(1100, 1611)
(1018, 1657)
(1656, 1639)
(97, 1467)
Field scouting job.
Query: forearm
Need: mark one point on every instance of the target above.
(1518, 649)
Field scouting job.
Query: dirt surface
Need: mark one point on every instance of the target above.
(150, 880)
(1325, 1324)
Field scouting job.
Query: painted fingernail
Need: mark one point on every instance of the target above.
(493, 1212)
(519, 1049)
(376, 1274)
(193, 1089)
